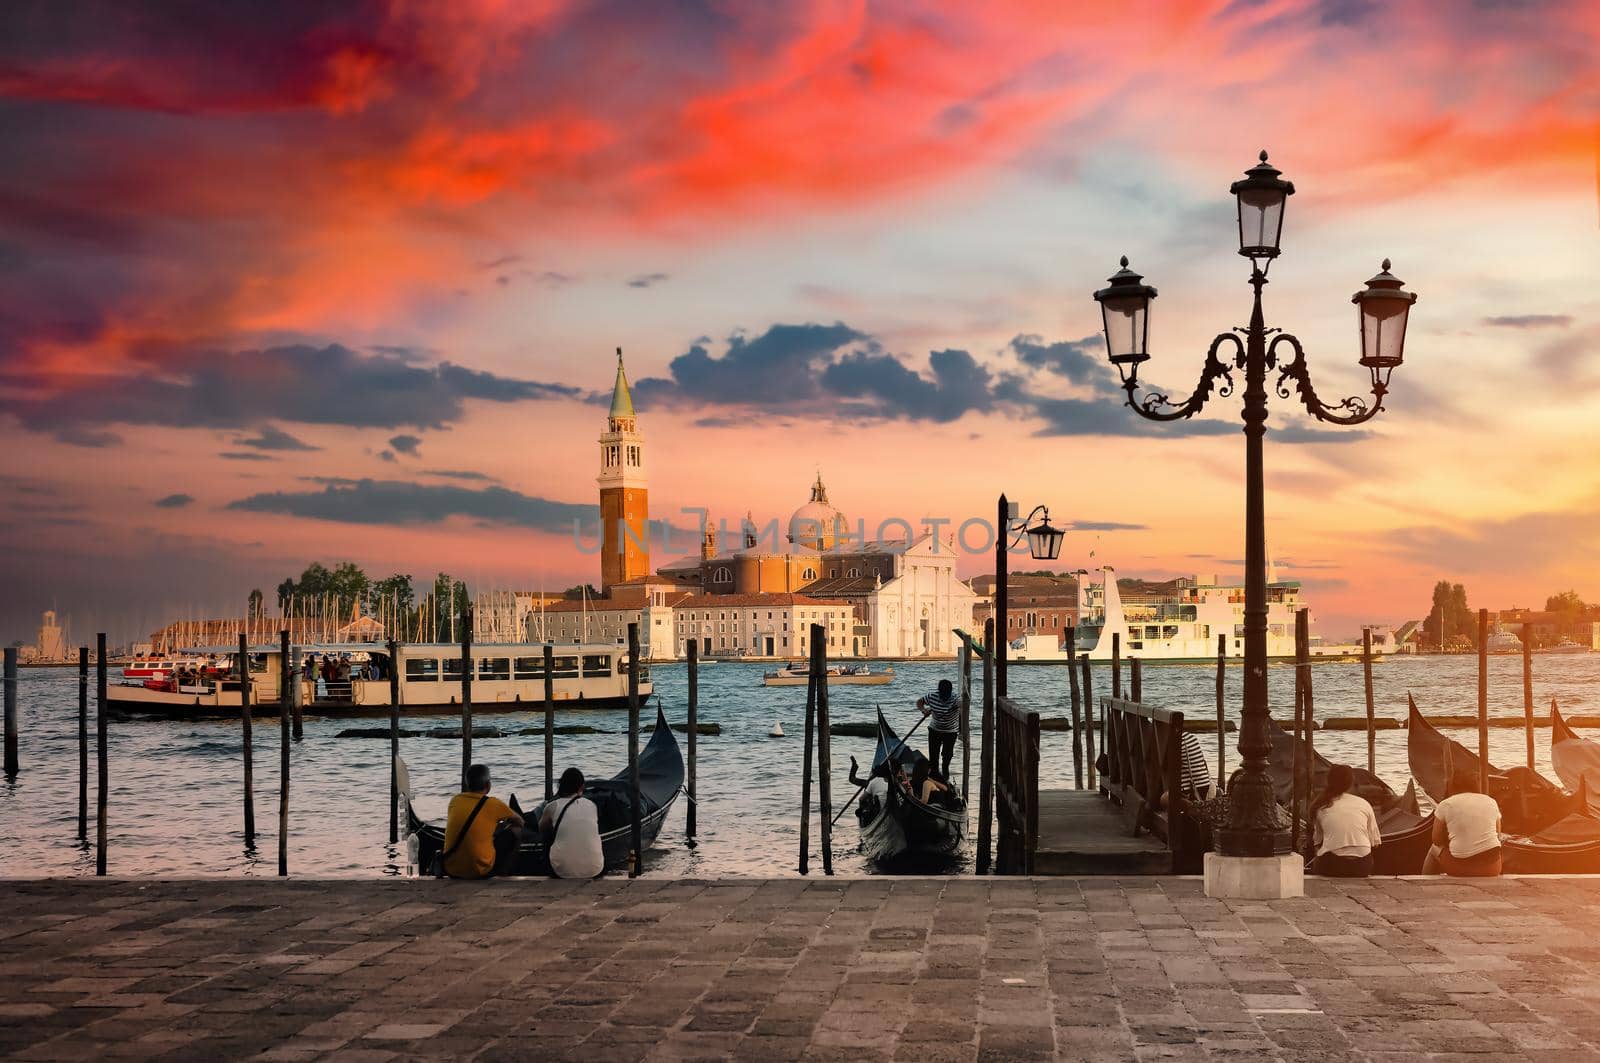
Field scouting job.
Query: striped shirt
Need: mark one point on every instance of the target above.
(1196, 773)
(946, 712)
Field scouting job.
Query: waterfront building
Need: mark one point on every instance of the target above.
(1037, 604)
(51, 644)
(904, 593)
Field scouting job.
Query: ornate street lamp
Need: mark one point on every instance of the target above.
(1044, 543)
(1255, 828)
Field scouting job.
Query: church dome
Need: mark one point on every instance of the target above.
(817, 524)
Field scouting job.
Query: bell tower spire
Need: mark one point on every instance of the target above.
(624, 497)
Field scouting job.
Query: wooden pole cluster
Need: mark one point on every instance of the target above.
(694, 726)
(1116, 664)
(1366, 679)
(965, 659)
(466, 693)
(394, 742)
(819, 668)
(635, 825)
(248, 729)
(1136, 679)
(1222, 713)
(1077, 709)
(83, 743)
(549, 722)
(986, 749)
(12, 724)
(1088, 722)
(1527, 689)
(102, 767)
(1483, 701)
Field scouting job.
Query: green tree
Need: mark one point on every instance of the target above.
(577, 591)
(256, 598)
(1565, 602)
(1450, 621)
(394, 591)
(347, 585)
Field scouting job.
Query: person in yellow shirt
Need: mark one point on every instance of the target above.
(476, 815)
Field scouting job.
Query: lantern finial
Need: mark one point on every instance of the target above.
(1263, 154)
(1125, 262)
(1386, 265)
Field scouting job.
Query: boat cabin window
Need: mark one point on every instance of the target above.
(422, 669)
(530, 667)
(452, 669)
(596, 665)
(494, 668)
(566, 667)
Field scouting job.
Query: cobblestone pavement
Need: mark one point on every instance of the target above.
(919, 969)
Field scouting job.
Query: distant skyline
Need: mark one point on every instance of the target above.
(285, 286)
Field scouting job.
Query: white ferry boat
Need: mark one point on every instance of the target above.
(507, 677)
(1182, 627)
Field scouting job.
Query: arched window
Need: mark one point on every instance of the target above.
(852, 572)
(721, 575)
(809, 574)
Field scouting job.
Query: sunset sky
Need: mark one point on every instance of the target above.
(279, 285)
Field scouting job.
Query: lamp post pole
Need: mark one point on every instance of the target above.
(1255, 828)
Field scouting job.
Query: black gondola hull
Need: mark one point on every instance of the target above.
(893, 823)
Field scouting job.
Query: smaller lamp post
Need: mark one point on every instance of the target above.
(1044, 544)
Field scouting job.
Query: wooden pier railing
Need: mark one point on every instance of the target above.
(1016, 742)
(1144, 771)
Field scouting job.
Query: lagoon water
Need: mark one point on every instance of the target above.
(175, 802)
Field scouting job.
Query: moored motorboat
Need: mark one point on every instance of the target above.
(838, 675)
(1406, 830)
(660, 780)
(893, 821)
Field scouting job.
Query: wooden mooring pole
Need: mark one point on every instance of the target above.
(1483, 701)
(1299, 738)
(1222, 713)
(296, 724)
(805, 770)
(102, 766)
(1308, 710)
(13, 764)
(394, 742)
(1136, 679)
(1366, 679)
(286, 686)
(635, 825)
(964, 656)
(986, 750)
(694, 726)
(1077, 709)
(549, 722)
(1116, 664)
(466, 693)
(1088, 722)
(819, 645)
(247, 729)
(83, 743)
(1527, 689)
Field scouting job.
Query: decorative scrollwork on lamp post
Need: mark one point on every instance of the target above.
(1255, 827)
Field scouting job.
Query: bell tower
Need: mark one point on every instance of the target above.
(624, 508)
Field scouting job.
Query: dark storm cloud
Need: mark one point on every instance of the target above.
(1079, 361)
(959, 385)
(647, 280)
(175, 501)
(406, 444)
(301, 383)
(242, 455)
(1107, 417)
(269, 437)
(780, 367)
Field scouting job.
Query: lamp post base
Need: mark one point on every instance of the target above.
(1255, 878)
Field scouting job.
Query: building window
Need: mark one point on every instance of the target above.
(722, 575)
(809, 574)
(852, 572)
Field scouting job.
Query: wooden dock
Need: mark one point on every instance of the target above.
(1082, 833)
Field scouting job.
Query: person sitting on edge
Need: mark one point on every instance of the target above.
(571, 829)
(946, 722)
(1344, 828)
(473, 847)
(1466, 833)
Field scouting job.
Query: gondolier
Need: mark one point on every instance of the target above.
(944, 726)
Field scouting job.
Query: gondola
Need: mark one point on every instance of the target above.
(1407, 832)
(893, 822)
(1576, 759)
(1528, 801)
(660, 779)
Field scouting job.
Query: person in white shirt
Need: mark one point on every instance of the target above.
(1466, 833)
(1344, 828)
(571, 829)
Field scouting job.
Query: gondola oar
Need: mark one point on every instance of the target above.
(893, 753)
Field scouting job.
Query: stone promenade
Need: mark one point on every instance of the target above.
(916, 969)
